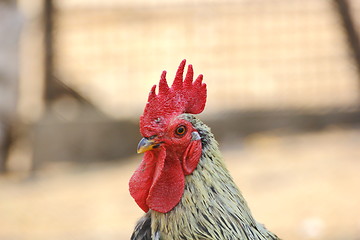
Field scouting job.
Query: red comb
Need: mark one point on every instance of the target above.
(184, 96)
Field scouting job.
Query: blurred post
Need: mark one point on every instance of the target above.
(10, 26)
(48, 45)
(344, 10)
(54, 87)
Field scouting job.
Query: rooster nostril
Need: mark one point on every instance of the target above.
(156, 146)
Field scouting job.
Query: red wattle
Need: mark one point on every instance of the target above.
(158, 183)
(141, 180)
(168, 185)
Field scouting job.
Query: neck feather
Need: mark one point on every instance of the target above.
(212, 205)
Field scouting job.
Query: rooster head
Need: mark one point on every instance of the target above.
(171, 145)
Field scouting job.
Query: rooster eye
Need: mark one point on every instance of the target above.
(181, 130)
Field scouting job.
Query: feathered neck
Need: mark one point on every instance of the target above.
(211, 205)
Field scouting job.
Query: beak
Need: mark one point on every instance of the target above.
(146, 144)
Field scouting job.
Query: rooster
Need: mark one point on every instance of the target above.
(182, 183)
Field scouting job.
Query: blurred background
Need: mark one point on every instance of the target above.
(283, 82)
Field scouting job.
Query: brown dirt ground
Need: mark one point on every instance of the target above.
(303, 186)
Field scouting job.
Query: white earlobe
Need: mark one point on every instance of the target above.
(195, 136)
